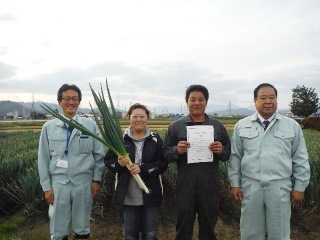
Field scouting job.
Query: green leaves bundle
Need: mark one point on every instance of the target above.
(112, 136)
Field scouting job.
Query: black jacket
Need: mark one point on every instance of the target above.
(152, 165)
(177, 131)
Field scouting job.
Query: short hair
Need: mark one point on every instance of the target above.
(197, 88)
(66, 87)
(256, 90)
(135, 106)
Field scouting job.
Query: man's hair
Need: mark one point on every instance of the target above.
(199, 88)
(256, 90)
(135, 106)
(66, 87)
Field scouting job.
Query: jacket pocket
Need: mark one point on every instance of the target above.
(284, 139)
(85, 144)
(57, 145)
(249, 138)
(284, 134)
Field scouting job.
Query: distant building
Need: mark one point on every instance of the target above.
(12, 115)
(289, 114)
(90, 115)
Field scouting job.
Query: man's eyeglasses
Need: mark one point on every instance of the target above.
(68, 99)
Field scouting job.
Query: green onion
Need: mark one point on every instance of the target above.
(112, 136)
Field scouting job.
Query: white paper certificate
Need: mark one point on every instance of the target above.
(200, 137)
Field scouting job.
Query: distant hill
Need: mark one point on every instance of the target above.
(24, 108)
(9, 106)
(238, 111)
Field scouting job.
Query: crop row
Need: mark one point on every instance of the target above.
(19, 180)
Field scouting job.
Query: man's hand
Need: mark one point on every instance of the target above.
(182, 147)
(216, 147)
(95, 188)
(236, 193)
(296, 196)
(49, 196)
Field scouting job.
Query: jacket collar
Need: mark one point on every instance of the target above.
(254, 117)
(188, 121)
(62, 124)
(149, 133)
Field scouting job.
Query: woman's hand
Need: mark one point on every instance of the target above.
(135, 169)
(123, 161)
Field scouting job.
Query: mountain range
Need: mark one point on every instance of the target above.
(24, 109)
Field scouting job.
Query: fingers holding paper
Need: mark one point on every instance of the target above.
(216, 147)
(182, 147)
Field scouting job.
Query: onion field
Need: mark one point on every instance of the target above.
(19, 181)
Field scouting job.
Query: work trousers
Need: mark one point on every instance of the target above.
(265, 206)
(197, 192)
(72, 203)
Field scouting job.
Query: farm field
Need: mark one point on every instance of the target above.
(23, 212)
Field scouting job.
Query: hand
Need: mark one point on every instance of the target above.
(95, 188)
(123, 161)
(135, 169)
(236, 193)
(296, 196)
(182, 147)
(49, 196)
(216, 147)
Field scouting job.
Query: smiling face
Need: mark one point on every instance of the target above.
(197, 104)
(69, 103)
(138, 120)
(266, 102)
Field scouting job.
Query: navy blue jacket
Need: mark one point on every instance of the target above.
(152, 165)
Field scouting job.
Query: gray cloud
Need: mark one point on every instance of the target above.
(6, 71)
(165, 84)
(226, 46)
(6, 17)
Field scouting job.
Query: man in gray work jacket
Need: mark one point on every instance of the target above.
(268, 151)
(70, 167)
(197, 186)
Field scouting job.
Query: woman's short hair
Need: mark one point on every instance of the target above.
(135, 106)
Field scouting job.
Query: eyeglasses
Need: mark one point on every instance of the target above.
(68, 99)
(135, 118)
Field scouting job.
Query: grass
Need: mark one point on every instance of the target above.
(7, 226)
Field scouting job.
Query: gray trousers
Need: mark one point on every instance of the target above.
(265, 207)
(72, 204)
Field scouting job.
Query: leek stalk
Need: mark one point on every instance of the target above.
(112, 136)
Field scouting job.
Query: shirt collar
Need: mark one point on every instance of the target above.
(74, 119)
(269, 119)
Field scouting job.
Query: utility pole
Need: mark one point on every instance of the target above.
(32, 107)
(118, 101)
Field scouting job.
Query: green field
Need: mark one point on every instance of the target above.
(19, 182)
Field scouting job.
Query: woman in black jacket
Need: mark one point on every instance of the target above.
(139, 210)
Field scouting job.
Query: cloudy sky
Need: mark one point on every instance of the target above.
(151, 50)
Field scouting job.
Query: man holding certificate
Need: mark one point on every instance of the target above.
(197, 143)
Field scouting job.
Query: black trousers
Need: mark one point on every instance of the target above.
(197, 192)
